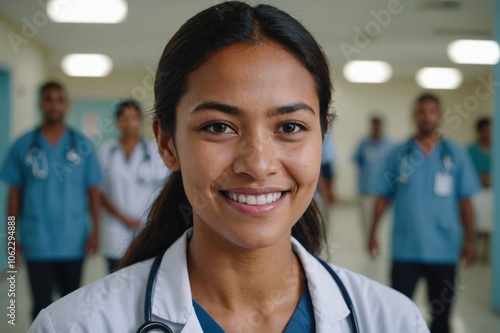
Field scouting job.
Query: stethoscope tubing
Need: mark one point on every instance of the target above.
(150, 325)
(35, 152)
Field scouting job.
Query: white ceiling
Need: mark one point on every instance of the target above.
(415, 38)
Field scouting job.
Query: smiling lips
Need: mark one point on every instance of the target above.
(254, 200)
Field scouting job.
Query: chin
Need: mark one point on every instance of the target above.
(253, 234)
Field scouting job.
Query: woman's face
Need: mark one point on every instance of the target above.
(129, 122)
(248, 143)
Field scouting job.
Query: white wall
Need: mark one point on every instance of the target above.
(118, 85)
(27, 64)
(355, 103)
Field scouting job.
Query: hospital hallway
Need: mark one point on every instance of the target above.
(472, 312)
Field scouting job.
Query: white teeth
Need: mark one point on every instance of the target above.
(241, 198)
(251, 200)
(261, 200)
(254, 200)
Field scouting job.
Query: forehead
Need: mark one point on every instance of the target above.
(243, 72)
(53, 92)
(428, 103)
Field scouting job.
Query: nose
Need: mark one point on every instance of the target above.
(256, 156)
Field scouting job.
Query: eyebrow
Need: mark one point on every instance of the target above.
(233, 110)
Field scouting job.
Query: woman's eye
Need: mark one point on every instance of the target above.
(219, 128)
(290, 128)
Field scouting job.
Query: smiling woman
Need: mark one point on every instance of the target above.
(242, 96)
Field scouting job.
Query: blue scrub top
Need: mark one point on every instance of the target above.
(54, 222)
(370, 157)
(480, 158)
(426, 195)
(302, 320)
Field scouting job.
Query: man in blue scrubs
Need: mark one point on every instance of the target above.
(430, 181)
(370, 156)
(53, 176)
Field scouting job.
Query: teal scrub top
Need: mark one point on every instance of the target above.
(426, 192)
(480, 158)
(370, 157)
(302, 320)
(54, 222)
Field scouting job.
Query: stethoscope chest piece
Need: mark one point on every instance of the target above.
(73, 157)
(154, 325)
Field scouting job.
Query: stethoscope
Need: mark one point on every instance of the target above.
(446, 159)
(146, 158)
(151, 325)
(36, 157)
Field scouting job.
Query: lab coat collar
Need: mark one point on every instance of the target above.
(329, 305)
(172, 299)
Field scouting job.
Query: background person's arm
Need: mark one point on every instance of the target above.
(94, 200)
(381, 204)
(13, 209)
(467, 216)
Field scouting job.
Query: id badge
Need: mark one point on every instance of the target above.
(443, 184)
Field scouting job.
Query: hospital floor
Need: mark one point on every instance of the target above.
(471, 313)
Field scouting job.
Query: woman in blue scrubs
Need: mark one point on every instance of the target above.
(242, 96)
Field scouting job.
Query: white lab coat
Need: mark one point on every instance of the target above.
(132, 185)
(115, 303)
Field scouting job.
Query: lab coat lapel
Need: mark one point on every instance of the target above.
(330, 309)
(172, 299)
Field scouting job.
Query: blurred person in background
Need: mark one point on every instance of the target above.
(480, 154)
(431, 181)
(369, 157)
(54, 180)
(133, 174)
(327, 172)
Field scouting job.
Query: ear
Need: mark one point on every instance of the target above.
(166, 147)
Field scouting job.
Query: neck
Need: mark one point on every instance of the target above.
(129, 139)
(484, 144)
(375, 136)
(241, 279)
(427, 141)
(55, 127)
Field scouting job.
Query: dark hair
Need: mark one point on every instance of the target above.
(50, 85)
(427, 97)
(204, 34)
(482, 122)
(129, 103)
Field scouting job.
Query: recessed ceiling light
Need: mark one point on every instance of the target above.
(86, 65)
(477, 52)
(439, 78)
(367, 71)
(87, 11)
